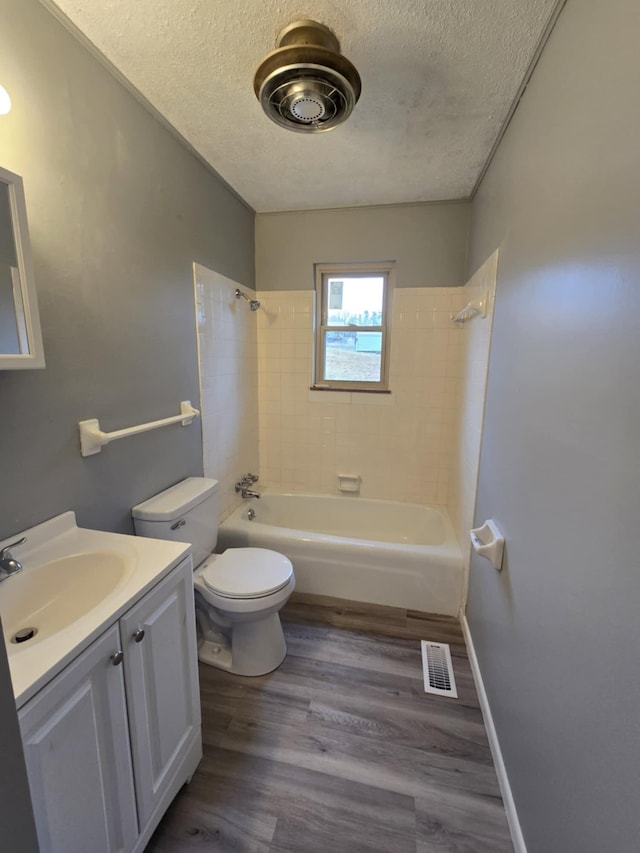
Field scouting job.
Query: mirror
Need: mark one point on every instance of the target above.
(20, 335)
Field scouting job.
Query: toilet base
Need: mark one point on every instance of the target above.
(256, 647)
(215, 654)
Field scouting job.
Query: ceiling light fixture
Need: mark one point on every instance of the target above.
(306, 84)
(5, 101)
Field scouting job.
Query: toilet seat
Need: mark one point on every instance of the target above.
(244, 573)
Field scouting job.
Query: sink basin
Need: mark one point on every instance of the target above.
(75, 583)
(50, 597)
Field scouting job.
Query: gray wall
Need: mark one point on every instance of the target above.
(428, 241)
(118, 211)
(558, 633)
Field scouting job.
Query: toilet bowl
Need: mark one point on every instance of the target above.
(238, 594)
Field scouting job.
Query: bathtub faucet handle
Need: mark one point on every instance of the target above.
(246, 481)
(243, 485)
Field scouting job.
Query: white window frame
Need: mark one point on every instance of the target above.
(384, 269)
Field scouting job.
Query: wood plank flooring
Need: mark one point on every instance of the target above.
(340, 750)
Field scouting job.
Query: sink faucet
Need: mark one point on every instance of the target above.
(243, 485)
(9, 565)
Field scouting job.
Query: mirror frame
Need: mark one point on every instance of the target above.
(35, 356)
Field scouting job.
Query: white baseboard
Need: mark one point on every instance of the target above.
(501, 771)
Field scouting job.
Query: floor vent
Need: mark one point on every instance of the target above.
(438, 669)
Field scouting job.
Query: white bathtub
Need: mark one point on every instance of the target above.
(383, 552)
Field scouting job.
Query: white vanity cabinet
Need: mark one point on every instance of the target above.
(76, 745)
(111, 739)
(161, 678)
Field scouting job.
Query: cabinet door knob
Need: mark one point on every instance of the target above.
(139, 635)
(116, 657)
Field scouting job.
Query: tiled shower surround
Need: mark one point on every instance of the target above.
(228, 359)
(474, 364)
(400, 444)
(420, 443)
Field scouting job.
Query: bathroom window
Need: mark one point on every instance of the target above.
(353, 320)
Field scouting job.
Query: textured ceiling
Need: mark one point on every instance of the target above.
(438, 77)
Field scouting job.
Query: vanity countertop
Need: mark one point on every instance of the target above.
(74, 583)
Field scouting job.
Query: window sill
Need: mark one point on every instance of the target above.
(343, 395)
(325, 388)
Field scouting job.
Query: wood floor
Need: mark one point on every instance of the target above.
(340, 750)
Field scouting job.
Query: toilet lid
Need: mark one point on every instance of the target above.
(247, 573)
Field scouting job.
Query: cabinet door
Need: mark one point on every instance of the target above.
(161, 675)
(76, 746)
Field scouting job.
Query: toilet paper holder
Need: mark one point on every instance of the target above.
(488, 542)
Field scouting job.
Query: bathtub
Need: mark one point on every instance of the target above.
(381, 552)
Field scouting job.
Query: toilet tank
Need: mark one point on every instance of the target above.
(186, 512)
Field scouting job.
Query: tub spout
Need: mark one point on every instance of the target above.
(243, 486)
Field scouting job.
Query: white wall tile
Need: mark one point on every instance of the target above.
(469, 384)
(228, 358)
(401, 444)
(405, 450)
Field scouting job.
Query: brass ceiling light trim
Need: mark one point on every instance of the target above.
(306, 84)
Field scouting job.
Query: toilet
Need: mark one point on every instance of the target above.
(238, 594)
